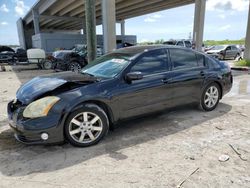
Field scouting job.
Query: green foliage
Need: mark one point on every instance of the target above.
(159, 41)
(223, 42)
(243, 63)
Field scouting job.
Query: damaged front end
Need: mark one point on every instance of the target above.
(36, 113)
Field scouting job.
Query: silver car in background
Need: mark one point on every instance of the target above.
(225, 52)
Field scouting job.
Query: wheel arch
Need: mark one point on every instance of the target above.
(218, 83)
(107, 109)
(221, 90)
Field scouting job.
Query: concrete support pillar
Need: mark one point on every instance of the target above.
(35, 15)
(84, 26)
(247, 40)
(109, 25)
(199, 19)
(90, 29)
(123, 27)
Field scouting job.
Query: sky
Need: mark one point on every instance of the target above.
(225, 19)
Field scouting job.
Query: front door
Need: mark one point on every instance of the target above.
(150, 94)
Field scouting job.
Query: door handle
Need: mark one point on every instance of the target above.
(202, 73)
(165, 80)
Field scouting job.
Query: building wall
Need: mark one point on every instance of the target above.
(52, 41)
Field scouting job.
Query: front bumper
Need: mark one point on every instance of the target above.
(29, 131)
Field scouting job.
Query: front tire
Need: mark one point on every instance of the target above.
(86, 126)
(210, 97)
(75, 66)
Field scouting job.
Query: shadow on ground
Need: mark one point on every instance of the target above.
(19, 160)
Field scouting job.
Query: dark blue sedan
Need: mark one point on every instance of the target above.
(81, 107)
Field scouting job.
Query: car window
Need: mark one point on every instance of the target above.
(188, 44)
(180, 43)
(182, 59)
(108, 66)
(20, 51)
(151, 62)
(228, 48)
(212, 63)
(234, 48)
(200, 60)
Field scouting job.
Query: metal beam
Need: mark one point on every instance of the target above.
(90, 29)
(152, 8)
(71, 7)
(41, 6)
(247, 40)
(70, 18)
(59, 6)
(199, 19)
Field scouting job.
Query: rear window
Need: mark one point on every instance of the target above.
(180, 43)
(212, 63)
(200, 60)
(182, 59)
(188, 44)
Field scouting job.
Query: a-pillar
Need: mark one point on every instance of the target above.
(109, 25)
(247, 40)
(199, 19)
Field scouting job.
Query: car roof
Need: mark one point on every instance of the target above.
(140, 49)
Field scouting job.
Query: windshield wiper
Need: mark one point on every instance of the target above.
(92, 75)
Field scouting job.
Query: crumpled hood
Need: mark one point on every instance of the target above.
(40, 85)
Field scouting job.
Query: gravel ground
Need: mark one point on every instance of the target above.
(179, 147)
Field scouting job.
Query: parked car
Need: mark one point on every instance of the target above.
(241, 47)
(224, 52)
(67, 60)
(207, 48)
(20, 55)
(183, 43)
(74, 59)
(9, 55)
(124, 45)
(129, 82)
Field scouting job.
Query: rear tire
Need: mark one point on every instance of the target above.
(210, 97)
(47, 65)
(86, 126)
(237, 57)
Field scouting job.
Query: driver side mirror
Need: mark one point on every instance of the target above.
(134, 76)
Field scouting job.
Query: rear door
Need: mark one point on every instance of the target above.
(188, 71)
(235, 51)
(150, 94)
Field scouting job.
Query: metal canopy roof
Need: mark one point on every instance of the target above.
(69, 14)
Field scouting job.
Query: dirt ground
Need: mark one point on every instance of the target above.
(157, 151)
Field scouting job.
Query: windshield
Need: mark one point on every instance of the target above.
(107, 66)
(218, 48)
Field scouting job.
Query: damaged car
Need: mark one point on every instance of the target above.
(81, 107)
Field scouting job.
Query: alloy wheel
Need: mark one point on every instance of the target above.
(85, 127)
(75, 67)
(211, 97)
